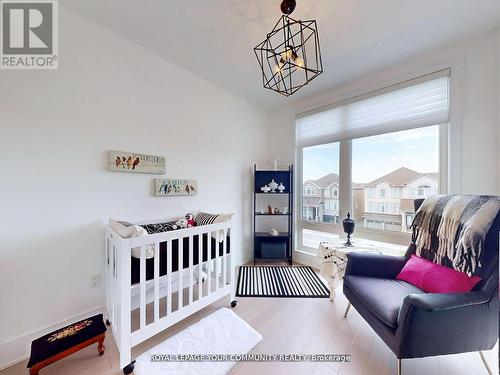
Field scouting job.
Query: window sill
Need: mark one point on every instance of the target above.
(386, 247)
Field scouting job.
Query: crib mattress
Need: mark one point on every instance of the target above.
(135, 270)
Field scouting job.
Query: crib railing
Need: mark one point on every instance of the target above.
(190, 288)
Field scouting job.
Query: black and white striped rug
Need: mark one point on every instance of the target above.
(280, 281)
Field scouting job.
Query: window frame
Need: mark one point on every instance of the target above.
(345, 196)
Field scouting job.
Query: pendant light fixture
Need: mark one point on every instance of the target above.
(290, 56)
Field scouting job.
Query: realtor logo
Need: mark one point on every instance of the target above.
(29, 34)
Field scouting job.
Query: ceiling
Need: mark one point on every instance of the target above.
(215, 38)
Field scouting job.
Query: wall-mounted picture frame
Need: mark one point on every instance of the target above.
(168, 187)
(131, 162)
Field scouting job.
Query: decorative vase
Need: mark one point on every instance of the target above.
(274, 232)
(273, 185)
(281, 187)
(348, 225)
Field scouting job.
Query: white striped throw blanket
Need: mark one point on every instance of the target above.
(451, 229)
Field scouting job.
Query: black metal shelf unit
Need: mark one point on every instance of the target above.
(267, 246)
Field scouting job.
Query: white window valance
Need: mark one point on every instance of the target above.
(420, 102)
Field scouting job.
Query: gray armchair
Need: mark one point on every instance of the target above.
(415, 324)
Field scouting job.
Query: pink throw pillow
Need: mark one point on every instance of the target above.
(434, 278)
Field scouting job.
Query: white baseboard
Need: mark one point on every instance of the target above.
(18, 349)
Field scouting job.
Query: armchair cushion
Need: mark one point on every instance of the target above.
(434, 278)
(383, 297)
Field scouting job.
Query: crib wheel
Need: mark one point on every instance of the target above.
(107, 322)
(234, 303)
(129, 368)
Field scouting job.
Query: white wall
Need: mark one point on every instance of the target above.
(55, 193)
(476, 65)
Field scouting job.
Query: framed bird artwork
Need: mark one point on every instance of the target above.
(166, 187)
(122, 161)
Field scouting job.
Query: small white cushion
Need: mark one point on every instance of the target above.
(123, 228)
(128, 230)
(150, 249)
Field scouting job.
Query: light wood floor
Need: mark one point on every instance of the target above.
(289, 325)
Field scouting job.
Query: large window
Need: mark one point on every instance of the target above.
(385, 148)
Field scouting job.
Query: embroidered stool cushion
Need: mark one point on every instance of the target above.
(65, 338)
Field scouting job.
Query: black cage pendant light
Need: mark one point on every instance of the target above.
(290, 57)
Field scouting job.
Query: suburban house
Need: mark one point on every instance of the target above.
(385, 203)
(388, 200)
(320, 200)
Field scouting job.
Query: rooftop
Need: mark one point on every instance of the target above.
(401, 177)
(325, 181)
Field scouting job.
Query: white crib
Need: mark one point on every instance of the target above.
(196, 286)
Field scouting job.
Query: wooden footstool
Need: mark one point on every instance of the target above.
(65, 341)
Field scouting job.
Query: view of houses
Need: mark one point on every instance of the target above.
(385, 203)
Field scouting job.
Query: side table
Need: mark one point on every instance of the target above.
(332, 256)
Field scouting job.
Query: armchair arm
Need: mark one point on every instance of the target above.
(374, 265)
(445, 301)
(445, 323)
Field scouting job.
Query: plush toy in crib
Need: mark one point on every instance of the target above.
(190, 220)
(181, 224)
(187, 222)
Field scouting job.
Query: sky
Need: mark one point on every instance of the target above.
(373, 157)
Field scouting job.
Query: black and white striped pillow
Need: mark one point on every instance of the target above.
(203, 218)
(160, 227)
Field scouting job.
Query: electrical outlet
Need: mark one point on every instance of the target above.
(95, 280)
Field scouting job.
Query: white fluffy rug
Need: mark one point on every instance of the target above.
(222, 332)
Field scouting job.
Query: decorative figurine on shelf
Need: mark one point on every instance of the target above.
(273, 185)
(274, 232)
(274, 163)
(348, 225)
(269, 210)
(276, 211)
(265, 189)
(281, 187)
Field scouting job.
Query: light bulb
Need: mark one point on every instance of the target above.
(286, 54)
(278, 68)
(299, 61)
